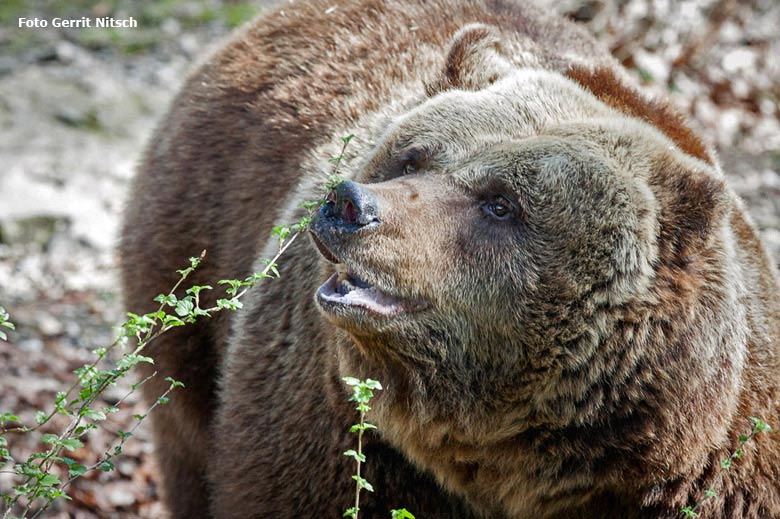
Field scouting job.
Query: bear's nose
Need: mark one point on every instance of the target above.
(350, 206)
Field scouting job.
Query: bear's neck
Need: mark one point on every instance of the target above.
(644, 436)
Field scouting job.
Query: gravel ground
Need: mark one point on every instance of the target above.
(77, 106)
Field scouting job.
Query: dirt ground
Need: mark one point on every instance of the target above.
(76, 107)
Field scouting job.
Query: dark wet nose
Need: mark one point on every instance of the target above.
(350, 206)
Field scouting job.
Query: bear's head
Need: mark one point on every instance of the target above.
(503, 253)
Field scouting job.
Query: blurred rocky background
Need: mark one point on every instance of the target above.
(77, 105)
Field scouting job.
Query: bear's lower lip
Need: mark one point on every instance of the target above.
(347, 290)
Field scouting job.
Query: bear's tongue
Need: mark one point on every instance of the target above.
(347, 289)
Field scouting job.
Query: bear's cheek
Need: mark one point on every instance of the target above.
(416, 243)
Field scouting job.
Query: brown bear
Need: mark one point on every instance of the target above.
(569, 310)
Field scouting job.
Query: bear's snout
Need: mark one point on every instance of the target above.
(349, 207)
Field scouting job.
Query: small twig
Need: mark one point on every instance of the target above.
(759, 426)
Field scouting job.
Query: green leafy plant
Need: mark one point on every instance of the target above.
(362, 393)
(759, 426)
(38, 483)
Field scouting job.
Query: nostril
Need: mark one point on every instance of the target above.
(349, 213)
(350, 206)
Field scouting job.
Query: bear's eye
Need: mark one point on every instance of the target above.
(411, 161)
(499, 208)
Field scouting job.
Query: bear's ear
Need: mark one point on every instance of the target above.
(475, 60)
(694, 206)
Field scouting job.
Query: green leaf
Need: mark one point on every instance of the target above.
(351, 381)
(759, 425)
(234, 285)
(28, 470)
(172, 320)
(373, 384)
(184, 307)
(195, 290)
(198, 312)
(401, 513)
(49, 480)
(22, 490)
(357, 456)
(281, 232)
(333, 180)
(71, 444)
(8, 417)
(311, 204)
(77, 470)
(106, 466)
(51, 439)
(167, 299)
(94, 415)
(131, 359)
(173, 382)
(229, 304)
(362, 483)
(82, 429)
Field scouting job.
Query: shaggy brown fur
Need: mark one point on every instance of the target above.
(587, 318)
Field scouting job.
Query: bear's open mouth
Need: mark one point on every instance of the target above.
(346, 289)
